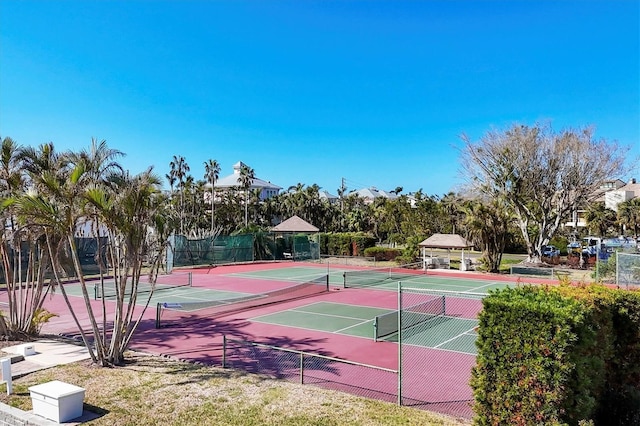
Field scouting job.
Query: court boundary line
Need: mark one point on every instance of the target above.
(454, 338)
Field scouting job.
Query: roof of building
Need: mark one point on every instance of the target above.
(233, 180)
(324, 195)
(372, 193)
(632, 186)
(294, 224)
(445, 241)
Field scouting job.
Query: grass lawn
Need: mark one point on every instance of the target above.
(159, 391)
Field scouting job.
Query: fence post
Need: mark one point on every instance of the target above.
(224, 351)
(301, 368)
(399, 343)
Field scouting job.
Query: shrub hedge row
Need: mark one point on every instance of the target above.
(558, 355)
(383, 253)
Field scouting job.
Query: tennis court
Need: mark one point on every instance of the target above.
(161, 292)
(276, 305)
(438, 330)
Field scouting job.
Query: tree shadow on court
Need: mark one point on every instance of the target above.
(279, 357)
(202, 340)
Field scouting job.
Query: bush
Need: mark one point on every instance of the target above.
(382, 253)
(558, 355)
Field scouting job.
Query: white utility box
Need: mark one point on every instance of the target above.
(26, 349)
(57, 401)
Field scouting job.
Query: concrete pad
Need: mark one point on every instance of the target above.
(52, 352)
(48, 353)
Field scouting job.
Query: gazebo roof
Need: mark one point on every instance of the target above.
(446, 241)
(295, 224)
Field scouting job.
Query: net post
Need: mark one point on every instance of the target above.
(344, 280)
(444, 305)
(399, 342)
(190, 278)
(95, 292)
(327, 282)
(375, 329)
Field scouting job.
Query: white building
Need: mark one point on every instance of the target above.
(232, 181)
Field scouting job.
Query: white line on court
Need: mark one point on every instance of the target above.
(328, 315)
(483, 286)
(352, 326)
(454, 338)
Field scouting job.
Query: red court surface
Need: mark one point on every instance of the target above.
(433, 379)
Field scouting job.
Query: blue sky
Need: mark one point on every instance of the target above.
(376, 92)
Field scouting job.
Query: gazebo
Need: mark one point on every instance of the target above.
(448, 242)
(295, 247)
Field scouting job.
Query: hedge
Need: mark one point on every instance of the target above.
(558, 355)
(383, 253)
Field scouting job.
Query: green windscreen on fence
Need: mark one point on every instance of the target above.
(225, 249)
(209, 250)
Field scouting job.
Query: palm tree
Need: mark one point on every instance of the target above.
(99, 160)
(600, 218)
(55, 206)
(179, 169)
(211, 174)
(128, 212)
(247, 175)
(488, 224)
(171, 178)
(629, 214)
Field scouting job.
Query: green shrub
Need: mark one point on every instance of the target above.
(558, 355)
(382, 253)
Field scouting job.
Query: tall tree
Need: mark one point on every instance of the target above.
(179, 169)
(487, 223)
(452, 206)
(540, 174)
(129, 211)
(629, 215)
(211, 175)
(247, 175)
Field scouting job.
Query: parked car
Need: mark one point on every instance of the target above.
(550, 251)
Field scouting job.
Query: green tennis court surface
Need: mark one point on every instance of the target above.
(442, 332)
(294, 274)
(167, 294)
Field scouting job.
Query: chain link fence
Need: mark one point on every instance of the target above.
(225, 249)
(313, 369)
(627, 270)
(436, 332)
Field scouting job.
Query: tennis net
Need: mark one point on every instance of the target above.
(377, 276)
(182, 312)
(387, 324)
(108, 289)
